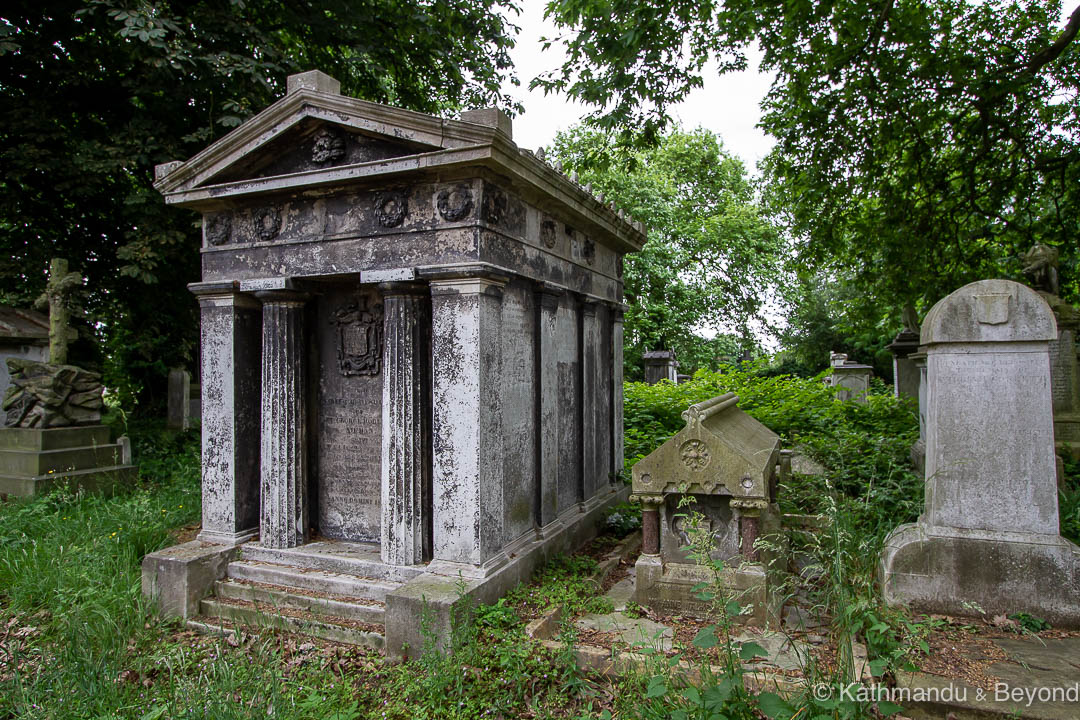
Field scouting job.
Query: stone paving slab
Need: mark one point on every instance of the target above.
(630, 630)
(1040, 680)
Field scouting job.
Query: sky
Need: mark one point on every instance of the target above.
(728, 105)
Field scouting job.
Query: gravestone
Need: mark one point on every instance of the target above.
(1041, 269)
(52, 432)
(730, 465)
(988, 535)
(851, 378)
(411, 360)
(24, 335)
(183, 401)
(661, 365)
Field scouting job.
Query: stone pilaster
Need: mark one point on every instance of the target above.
(406, 433)
(617, 451)
(467, 466)
(230, 327)
(547, 402)
(282, 458)
(749, 512)
(589, 427)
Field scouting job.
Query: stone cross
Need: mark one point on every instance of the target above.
(57, 297)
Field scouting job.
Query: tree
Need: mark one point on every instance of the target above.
(710, 257)
(921, 144)
(94, 93)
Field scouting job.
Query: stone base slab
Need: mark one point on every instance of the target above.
(424, 609)
(54, 438)
(668, 588)
(176, 579)
(106, 479)
(951, 571)
(33, 461)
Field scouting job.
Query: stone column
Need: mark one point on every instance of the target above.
(547, 401)
(589, 428)
(467, 465)
(406, 434)
(283, 522)
(749, 526)
(618, 453)
(650, 523)
(230, 327)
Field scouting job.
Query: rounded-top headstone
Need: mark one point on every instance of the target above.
(990, 311)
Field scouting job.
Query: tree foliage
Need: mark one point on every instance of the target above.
(921, 144)
(94, 93)
(710, 258)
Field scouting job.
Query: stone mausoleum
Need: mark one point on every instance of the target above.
(411, 360)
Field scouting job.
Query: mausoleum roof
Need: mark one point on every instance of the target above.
(19, 324)
(240, 164)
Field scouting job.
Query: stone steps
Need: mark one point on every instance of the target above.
(354, 609)
(333, 557)
(318, 581)
(221, 617)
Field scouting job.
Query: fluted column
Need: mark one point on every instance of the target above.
(406, 434)
(282, 463)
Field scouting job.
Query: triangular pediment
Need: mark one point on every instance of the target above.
(309, 131)
(314, 144)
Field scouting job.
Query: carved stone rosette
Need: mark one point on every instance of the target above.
(455, 203)
(391, 207)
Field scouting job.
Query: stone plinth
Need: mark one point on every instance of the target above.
(33, 461)
(989, 531)
(851, 379)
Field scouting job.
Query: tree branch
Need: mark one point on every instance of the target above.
(1044, 57)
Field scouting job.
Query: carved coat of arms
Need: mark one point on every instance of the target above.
(360, 337)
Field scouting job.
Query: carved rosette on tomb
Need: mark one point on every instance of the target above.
(718, 476)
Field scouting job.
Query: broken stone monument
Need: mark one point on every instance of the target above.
(851, 378)
(411, 365)
(661, 365)
(1041, 269)
(988, 537)
(730, 465)
(52, 416)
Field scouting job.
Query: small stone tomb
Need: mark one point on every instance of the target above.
(411, 361)
(851, 378)
(730, 464)
(661, 365)
(988, 537)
